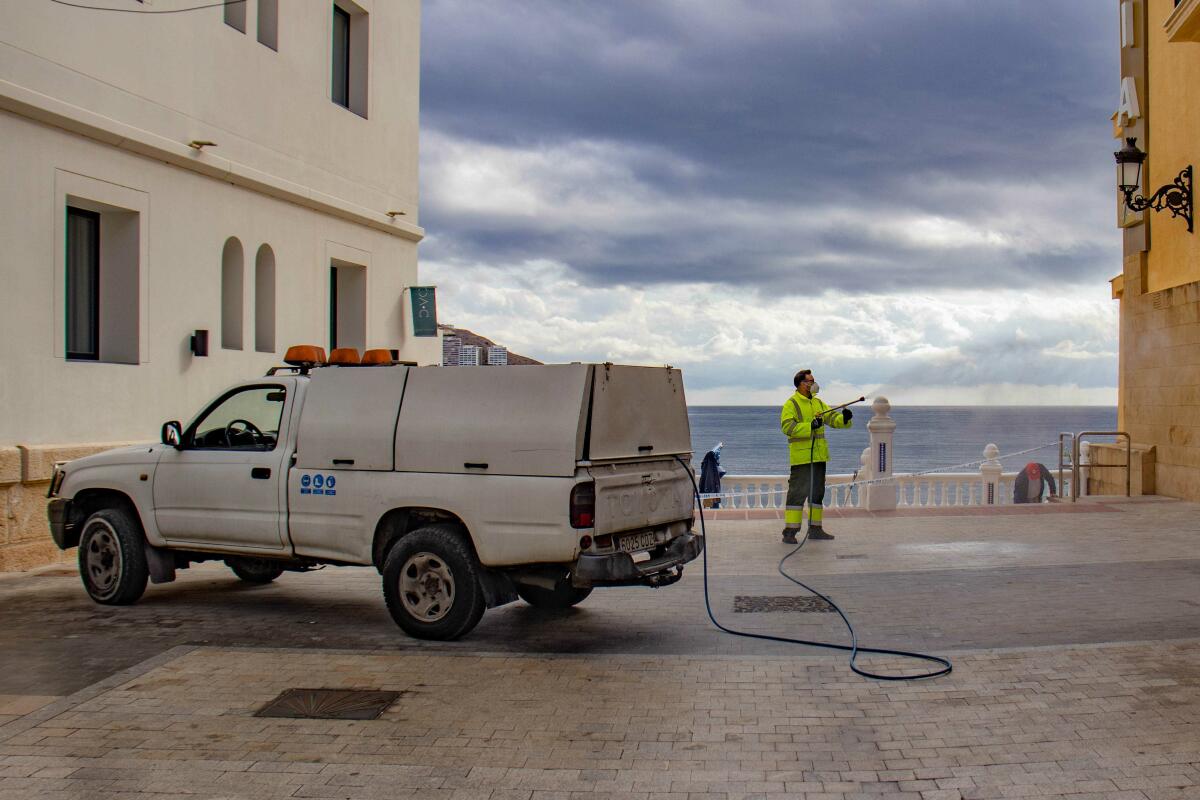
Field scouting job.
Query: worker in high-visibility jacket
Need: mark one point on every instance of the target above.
(803, 420)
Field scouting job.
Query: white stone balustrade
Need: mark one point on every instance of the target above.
(877, 458)
(989, 485)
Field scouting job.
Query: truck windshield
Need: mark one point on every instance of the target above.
(248, 419)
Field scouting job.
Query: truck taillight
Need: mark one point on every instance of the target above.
(583, 506)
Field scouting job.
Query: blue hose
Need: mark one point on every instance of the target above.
(853, 648)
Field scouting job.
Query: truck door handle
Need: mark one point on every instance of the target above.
(260, 473)
(474, 465)
(346, 461)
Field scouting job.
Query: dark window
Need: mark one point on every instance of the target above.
(341, 57)
(268, 23)
(235, 15)
(333, 308)
(83, 284)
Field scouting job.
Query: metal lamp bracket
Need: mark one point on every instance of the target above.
(1175, 197)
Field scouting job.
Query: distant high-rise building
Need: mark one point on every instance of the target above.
(451, 349)
(497, 356)
(470, 356)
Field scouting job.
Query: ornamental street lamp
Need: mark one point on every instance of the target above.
(1176, 197)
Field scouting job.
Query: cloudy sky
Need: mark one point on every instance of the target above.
(911, 197)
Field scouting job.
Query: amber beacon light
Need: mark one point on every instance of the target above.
(1175, 197)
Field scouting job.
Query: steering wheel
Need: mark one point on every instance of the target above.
(249, 427)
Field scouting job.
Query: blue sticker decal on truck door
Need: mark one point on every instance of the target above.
(318, 484)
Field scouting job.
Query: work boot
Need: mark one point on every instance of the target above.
(817, 533)
(789, 536)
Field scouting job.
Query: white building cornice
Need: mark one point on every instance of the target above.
(50, 111)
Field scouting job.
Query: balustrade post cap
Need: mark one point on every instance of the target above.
(881, 406)
(991, 451)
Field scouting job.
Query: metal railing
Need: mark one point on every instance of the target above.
(1075, 460)
(1062, 487)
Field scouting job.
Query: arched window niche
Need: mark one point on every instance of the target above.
(232, 270)
(264, 300)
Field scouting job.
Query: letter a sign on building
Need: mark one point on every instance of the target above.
(424, 310)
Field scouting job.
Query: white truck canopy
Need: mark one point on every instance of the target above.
(518, 420)
(350, 416)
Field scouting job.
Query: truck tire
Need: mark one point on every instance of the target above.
(562, 596)
(254, 570)
(112, 557)
(431, 584)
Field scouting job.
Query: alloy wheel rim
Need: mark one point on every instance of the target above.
(103, 559)
(426, 587)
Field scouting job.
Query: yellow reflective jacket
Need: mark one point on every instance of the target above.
(795, 420)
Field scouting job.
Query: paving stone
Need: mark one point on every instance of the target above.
(634, 694)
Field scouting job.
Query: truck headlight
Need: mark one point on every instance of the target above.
(56, 480)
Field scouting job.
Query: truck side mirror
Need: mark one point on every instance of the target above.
(172, 434)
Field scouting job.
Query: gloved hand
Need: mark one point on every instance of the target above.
(847, 414)
(817, 422)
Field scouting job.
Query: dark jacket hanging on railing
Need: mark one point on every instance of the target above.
(710, 475)
(1027, 477)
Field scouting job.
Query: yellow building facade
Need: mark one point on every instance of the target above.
(1159, 285)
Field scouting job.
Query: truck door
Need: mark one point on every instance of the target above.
(223, 487)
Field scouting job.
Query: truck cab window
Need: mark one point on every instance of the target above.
(245, 420)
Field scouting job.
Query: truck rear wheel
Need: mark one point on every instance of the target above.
(431, 584)
(564, 595)
(112, 557)
(254, 570)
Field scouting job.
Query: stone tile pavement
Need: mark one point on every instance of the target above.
(1119, 722)
(1075, 638)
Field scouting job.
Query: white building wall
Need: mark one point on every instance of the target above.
(103, 106)
(187, 219)
(183, 77)
(68, 76)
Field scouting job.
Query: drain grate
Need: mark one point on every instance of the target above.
(852, 555)
(755, 604)
(328, 704)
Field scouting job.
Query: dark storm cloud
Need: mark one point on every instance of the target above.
(991, 117)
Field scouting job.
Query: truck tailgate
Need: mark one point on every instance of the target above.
(640, 494)
(637, 412)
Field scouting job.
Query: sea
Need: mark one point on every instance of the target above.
(926, 437)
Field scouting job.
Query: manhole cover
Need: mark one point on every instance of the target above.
(328, 704)
(754, 604)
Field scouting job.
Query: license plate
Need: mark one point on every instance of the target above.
(638, 541)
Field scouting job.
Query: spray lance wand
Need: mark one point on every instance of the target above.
(836, 409)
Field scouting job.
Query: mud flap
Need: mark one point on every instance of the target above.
(498, 588)
(161, 563)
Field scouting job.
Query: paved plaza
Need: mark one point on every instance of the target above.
(1074, 632)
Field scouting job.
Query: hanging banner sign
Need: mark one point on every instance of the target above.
(424, 310)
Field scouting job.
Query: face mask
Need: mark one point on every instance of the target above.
(816, 387)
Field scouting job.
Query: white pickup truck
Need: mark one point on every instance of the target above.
(465, 487)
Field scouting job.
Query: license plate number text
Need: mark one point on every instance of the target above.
(638, 541)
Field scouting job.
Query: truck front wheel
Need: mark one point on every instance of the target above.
(112, 557)
(431, 584)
